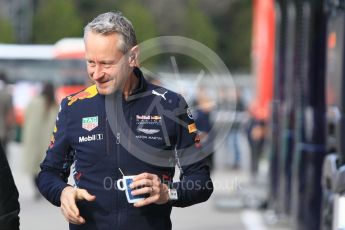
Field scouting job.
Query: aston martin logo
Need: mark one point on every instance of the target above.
(148, 131)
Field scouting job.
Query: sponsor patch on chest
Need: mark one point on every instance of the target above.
(148, 120)
(89, 123)
(148, 131)
(93, 137)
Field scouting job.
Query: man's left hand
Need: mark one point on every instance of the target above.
(147, 183)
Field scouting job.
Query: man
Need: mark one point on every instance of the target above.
(99, 130)
(9, 205)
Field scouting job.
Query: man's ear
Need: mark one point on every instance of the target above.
(134, 56)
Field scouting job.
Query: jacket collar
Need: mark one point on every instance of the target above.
(140, 90)
(142, 84)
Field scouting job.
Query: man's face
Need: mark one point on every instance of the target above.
(107, 66)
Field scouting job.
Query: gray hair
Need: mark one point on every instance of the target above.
(113, 22)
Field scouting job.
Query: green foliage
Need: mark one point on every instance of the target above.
(6, 32)
(143, 21)
(56, 19)
(144, 25)
(89, 9)
(198, 26)
(235, 37)
(227, 32)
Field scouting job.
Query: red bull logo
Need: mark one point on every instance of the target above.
(87, 93)
(156, 117)
(143, 117)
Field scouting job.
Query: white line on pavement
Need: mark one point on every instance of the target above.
(252, 220)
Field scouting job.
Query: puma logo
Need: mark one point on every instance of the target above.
(159, 94)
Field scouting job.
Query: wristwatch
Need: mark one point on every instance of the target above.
(172, 194)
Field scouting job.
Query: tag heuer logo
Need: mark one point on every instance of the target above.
(89, 123)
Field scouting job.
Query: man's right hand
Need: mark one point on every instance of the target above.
(68, 199)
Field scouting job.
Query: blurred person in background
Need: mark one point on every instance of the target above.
(89, 136)
(226, 110)
(39, 120)
(202, 116)
(6, 111)
(9, 205)
(256, 133)
(236, 128)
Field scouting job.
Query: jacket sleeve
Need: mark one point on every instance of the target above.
(55, 167)
(9, 205)
(195, 185)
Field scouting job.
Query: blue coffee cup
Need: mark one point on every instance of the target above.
(123, 185)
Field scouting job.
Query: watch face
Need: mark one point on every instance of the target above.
(173, 194)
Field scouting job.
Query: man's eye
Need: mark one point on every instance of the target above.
(107, 66)
(91, 63)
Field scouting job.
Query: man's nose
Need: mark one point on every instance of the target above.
(98, 72)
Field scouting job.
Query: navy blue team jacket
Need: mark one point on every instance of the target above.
(96, 146)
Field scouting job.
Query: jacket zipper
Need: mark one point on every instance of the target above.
(118, 138)
(130, 128)
(107, 136)
(117, 152)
